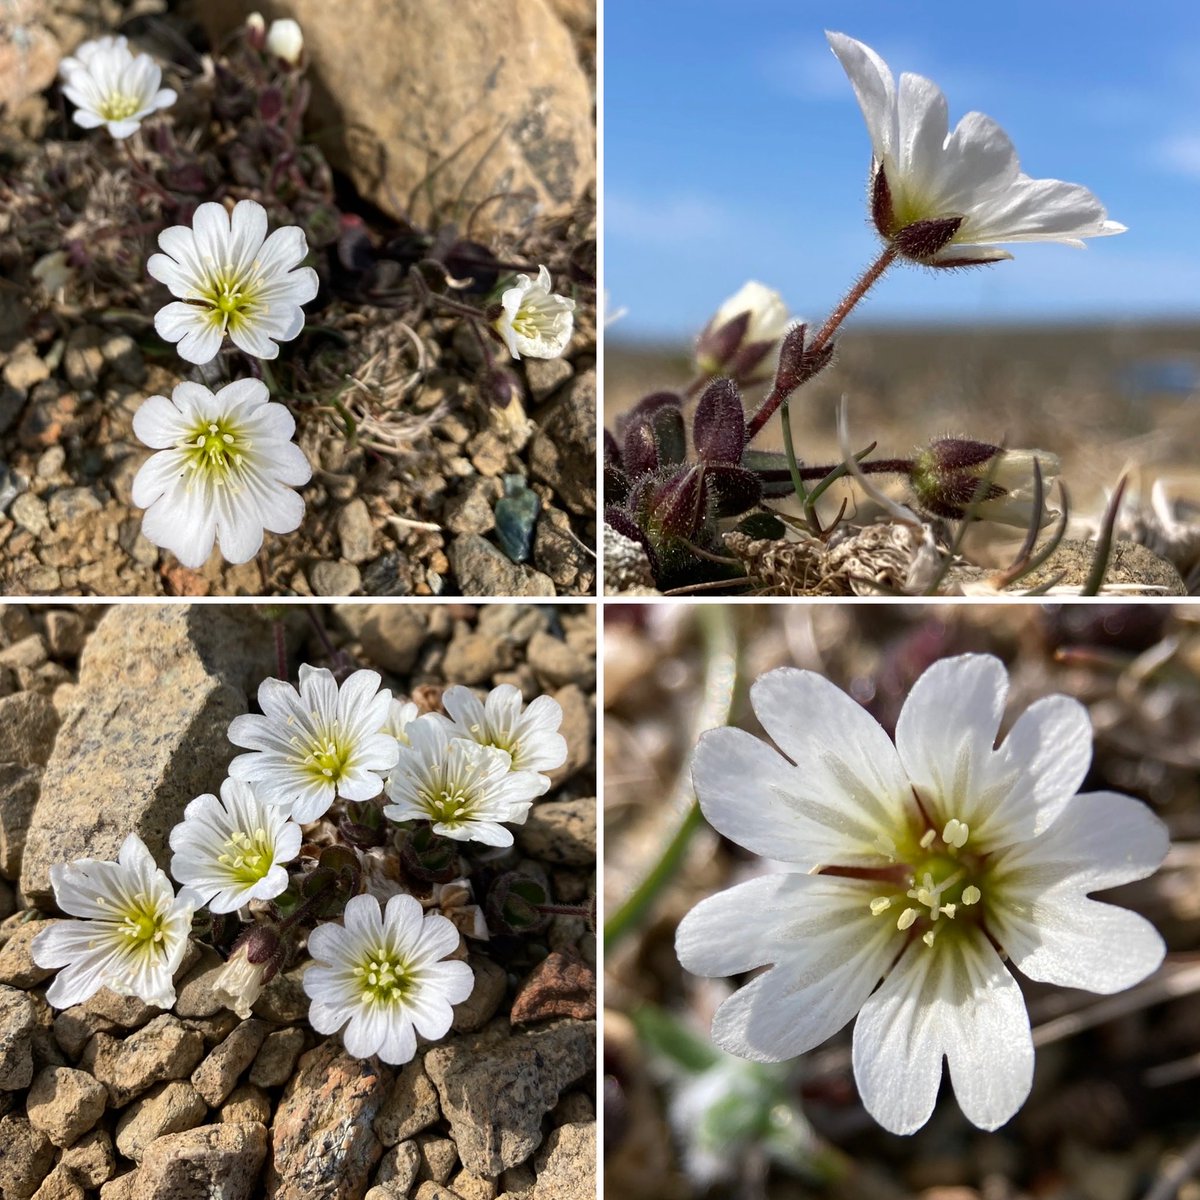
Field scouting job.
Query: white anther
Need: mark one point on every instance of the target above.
(971, 895)
(907, 917)
(927, 839)
(880, 904)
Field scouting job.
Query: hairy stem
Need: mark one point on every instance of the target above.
(865, 282)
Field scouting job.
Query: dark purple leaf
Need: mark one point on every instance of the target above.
(733, 490)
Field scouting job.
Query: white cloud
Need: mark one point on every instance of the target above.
(664, 220)
(1179, 153)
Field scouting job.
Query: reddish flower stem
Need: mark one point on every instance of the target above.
(862, 286)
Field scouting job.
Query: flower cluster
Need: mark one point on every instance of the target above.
(384, 974)
(917, 869)
(226, 462)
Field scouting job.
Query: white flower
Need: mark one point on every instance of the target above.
(464, 789)
(285, 40)
(230, 277)
(111, 86)
(224, 472)
(917, 864)
(233, 850)
(401, 714)
(133, 934)
(382, 976)
(534, 321)
(531, 737)
(742, 338)
(923, 173)
(312, 745)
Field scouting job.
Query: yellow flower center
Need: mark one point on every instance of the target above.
(941, 885)
(384, 977)
(118, 106)
(231, 298)
(326, 754)
(142, 923)
(248, 856)
(214, 448)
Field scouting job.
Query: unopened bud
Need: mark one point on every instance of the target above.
(959, 478)
(285, 40)
(741, 339)
(513, 904)
(256, 30)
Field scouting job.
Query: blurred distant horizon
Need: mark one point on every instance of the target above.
(741, 154)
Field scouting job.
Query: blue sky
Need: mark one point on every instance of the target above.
(734, 149)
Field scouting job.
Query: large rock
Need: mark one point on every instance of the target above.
(323, 1145)
(210, 1161)
(158, 687)
(496, 1090)
(444, 98)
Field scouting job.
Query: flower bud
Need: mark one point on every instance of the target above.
(256, 30)
(255, 960)
(956, 476)
(285, 40)
(741, 339)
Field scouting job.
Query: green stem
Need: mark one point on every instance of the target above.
(785, 417)
(720, 678)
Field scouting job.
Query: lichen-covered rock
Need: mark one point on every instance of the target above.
(170, 1108)
(18, 1016)
(323, 1145)
(218, 1074)
(561, 831)
(566, 1164)
(496, 1090)
(164, 1049)
(411, 1106)
(209, 1161)
(158, 687)
(64, 1104)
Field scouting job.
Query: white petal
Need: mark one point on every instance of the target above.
(946, 733)
(952, 999)
(1042, 917)
(873, 85)
(845, 793)
(828, 949)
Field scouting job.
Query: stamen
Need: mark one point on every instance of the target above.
(907, 917)
(880, 904)
(971, 895)
(927, 839)
(928, 937)
(955, 834)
